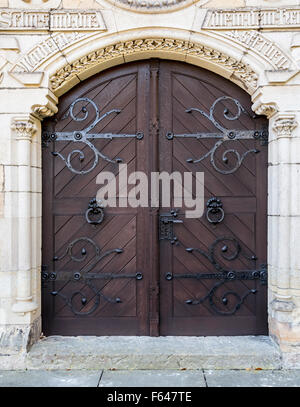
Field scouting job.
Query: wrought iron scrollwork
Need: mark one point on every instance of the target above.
(224, 135)
(84, 136)
(85, 276)
(96, 210)
(224, 275)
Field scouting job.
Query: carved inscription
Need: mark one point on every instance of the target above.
(53, 20)
(245, 19)
(257, 42)
(45, 50)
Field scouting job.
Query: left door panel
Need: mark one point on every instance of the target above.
(94, 276)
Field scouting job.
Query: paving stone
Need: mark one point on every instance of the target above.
(152, 378)
(49, 378)
(256, 378)
(151, 353)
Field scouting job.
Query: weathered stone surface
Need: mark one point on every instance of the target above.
(152, 378)
(146, 353)
(18, 338)
(44, 378)
(258, 378)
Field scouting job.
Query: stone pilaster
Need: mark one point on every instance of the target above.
(283, 226)
(24, 129)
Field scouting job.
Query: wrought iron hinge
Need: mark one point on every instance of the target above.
(231, 157)
(86, 136)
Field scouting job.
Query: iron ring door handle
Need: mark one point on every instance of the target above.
(94, 209)
(215, 207)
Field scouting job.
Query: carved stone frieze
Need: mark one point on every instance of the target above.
(242, 71)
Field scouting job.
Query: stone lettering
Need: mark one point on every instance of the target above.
(258, 43)
(53, 20)
(243, 19)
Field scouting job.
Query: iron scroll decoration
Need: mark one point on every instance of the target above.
(87, 276)
(223, 136)
(223, 275)
(85, 136)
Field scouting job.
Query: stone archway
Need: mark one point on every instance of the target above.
(53, 76)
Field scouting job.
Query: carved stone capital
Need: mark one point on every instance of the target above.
(266, 109)
(263, 107)
(284, 125)
(24, 127)
(41, 111)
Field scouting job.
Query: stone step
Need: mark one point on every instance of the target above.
(148, 353)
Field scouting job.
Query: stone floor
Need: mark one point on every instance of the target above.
(150, 378)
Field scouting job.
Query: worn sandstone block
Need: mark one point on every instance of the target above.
(80, 4)
(227, 4)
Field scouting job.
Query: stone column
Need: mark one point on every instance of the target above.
(24, 128)
(282, 108)
(21, 220)
(284, 228)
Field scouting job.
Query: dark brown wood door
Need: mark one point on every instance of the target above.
(95, 280)
(111, 271)
(208, 282)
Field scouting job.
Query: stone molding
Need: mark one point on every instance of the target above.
(265, 109)
(155, 6)
(284, 125)
(261, 107)
(241, 70)
(48, 109)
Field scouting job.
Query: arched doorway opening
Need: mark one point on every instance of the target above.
(150, 270)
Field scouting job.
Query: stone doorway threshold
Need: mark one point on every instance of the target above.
(148, 353)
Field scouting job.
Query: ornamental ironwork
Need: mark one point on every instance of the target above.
(94, 215)
(224, 135)
(215, 212)
(224, 275)
(85, 136)
(86, 276)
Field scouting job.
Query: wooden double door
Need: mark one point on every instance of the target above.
(150, 270)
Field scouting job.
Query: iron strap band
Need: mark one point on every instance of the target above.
(230, 276)
(76, 276)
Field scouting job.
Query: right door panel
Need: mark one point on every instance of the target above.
(213, 273)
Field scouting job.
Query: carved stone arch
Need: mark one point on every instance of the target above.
(89, 54)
